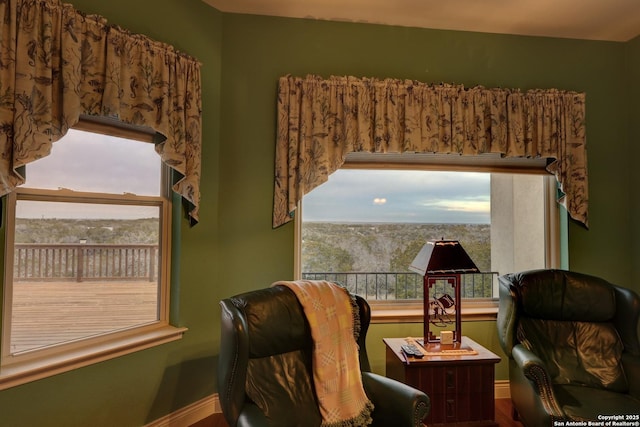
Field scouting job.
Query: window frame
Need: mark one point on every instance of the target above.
(479, 309)
(35, 364)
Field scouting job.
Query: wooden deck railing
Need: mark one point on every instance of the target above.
(79, 262)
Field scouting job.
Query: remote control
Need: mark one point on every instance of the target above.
(412, 351)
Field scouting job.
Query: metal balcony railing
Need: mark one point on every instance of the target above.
(404, 286)
(84, 262)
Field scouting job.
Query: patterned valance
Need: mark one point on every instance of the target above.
(57, 64)
(321, 120)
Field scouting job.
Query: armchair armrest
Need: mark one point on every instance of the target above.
(395, 403)
(232, 362)
(631, 366)
(536, 372)
(252, 416)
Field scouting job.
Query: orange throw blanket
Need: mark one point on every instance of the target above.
(336, 365)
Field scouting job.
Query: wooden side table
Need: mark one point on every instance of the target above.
(461, 387)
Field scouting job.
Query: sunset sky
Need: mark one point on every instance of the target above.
(83, 161)
(401, 196)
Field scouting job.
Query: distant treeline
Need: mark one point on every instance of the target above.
(384, 247)
(91, 231)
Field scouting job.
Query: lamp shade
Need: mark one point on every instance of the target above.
(443, 257)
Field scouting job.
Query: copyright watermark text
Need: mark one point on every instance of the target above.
(603, 421)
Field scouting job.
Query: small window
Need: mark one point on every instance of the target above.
(87, 245)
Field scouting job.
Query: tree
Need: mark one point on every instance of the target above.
(321, 257)
(402, 257)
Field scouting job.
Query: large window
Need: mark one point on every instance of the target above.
(87, 247)
(363, 228)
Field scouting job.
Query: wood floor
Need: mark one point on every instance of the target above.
(503, 417)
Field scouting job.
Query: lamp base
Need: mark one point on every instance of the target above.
(446, 337)
(454, 349)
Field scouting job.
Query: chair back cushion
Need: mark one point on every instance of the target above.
(567, 319)
(282, 387)
(582, 353)
(563, 295)
(279, 379)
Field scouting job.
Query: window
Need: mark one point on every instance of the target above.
(87, 250)
(366, 224)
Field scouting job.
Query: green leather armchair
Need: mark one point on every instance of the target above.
(572, 344)
(264, 369)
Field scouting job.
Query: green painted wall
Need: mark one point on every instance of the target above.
(234, 248)
(257, 50)
(633, 82)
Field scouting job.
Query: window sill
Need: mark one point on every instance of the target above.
(413, 312)
(26, 369)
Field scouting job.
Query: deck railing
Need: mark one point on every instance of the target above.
(81, 261)
(78, 261)
(402, 286)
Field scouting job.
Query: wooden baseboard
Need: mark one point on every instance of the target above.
(190, 414)
(502, 389)
(211, 405)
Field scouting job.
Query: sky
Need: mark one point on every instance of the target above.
(85, 161)
(353, 195)
(80, 159)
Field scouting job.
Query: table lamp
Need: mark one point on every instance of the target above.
(441, 262)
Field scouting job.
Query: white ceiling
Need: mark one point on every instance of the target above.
(614, 20)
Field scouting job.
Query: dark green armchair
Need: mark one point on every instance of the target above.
(264, 369)
(572, 344)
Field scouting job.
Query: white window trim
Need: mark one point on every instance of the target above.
(412, 311)
(42, 363)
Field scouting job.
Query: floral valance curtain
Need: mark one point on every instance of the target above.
(57, 64)
(321, 120)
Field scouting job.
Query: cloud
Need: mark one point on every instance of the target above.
(86, 161)
(90, 162)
